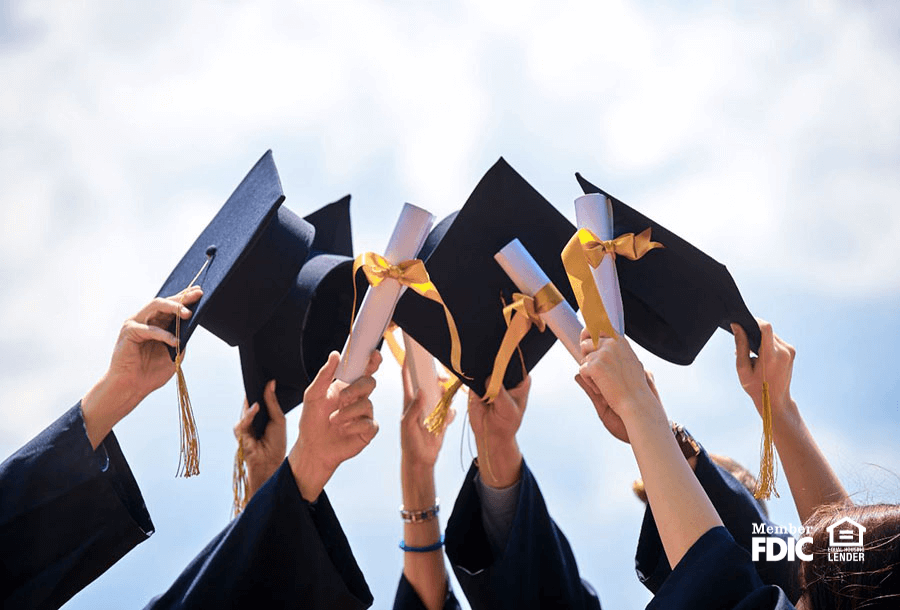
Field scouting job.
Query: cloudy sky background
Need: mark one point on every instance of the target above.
(767, 134)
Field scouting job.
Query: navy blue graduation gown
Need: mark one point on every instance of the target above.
(536, 569)
(717, 573)
(67, 513)
(738, 510)
(407, 598)
(281, 552)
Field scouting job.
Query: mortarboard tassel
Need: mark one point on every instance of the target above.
(189, 457)
(435, 420)
(240, 482)
(765, 486)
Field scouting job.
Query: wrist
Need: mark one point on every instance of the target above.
(310, 474)
(641, 412)
(418, 487)
(105, 405)
(500, 462)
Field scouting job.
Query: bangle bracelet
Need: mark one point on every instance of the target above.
(422, 549)
(419, 516)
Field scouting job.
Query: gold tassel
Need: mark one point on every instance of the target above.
(189, 457)
(767, 465)
(240, 483)
(436, 420)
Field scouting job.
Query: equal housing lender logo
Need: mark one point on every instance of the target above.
(776, 543)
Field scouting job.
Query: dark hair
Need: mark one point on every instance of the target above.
(874, 582)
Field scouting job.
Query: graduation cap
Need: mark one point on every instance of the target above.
(459, 255)
(245, 260)
(674, 297)
(312, 320)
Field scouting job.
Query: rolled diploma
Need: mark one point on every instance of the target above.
(594, 212)
(423, 372)
(378, 306)
(527, 275)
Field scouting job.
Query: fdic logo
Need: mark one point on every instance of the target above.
(845, 542)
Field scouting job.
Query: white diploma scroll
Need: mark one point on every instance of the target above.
(377, 308)
(423, 372)
(594, 212)
(527, 275)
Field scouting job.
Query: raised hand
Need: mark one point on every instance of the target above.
(776, 362)
(613, 371)
(420, 448)
(610, 419)
(494, 426)
(140, 363)
(337, 423)
(264, 455)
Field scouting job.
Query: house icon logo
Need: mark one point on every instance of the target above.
(846, 532)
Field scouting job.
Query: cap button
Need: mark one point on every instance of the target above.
(211, 251)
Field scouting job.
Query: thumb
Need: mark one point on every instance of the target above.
(741, 351)
(319, 386)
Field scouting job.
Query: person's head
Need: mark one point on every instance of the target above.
(834, 583)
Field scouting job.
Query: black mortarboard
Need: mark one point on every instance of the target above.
(310, 322)
(676, 296)
(459, 257)
(254, 247)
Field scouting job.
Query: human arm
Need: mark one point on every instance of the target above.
(812, 481)
(506, 550)
(139, 365)
(337, 422)
(681, 508)
(425, 572)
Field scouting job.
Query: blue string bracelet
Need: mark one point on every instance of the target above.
(422, 549)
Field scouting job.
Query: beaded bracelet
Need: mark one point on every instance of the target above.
(422, 549)
(419, 516)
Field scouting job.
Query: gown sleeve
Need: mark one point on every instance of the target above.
(717, 573)
(407, 598)
(739, 512)
(281, 552)
(67, 513)
(536, 569)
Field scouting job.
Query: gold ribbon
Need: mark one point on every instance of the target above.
(585, 251)
(520, 315)
(412, 274)
(396, 349)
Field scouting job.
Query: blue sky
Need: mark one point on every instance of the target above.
(767, 135)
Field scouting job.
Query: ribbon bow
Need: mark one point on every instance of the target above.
(520, 315)
(412, 274)
(585, 251)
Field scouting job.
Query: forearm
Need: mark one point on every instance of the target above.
(812, 481)
(426, 572)
(681, 508)
(104, 405)
(499, 462)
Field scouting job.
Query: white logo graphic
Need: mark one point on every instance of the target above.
(849, 535)
(773, 543)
